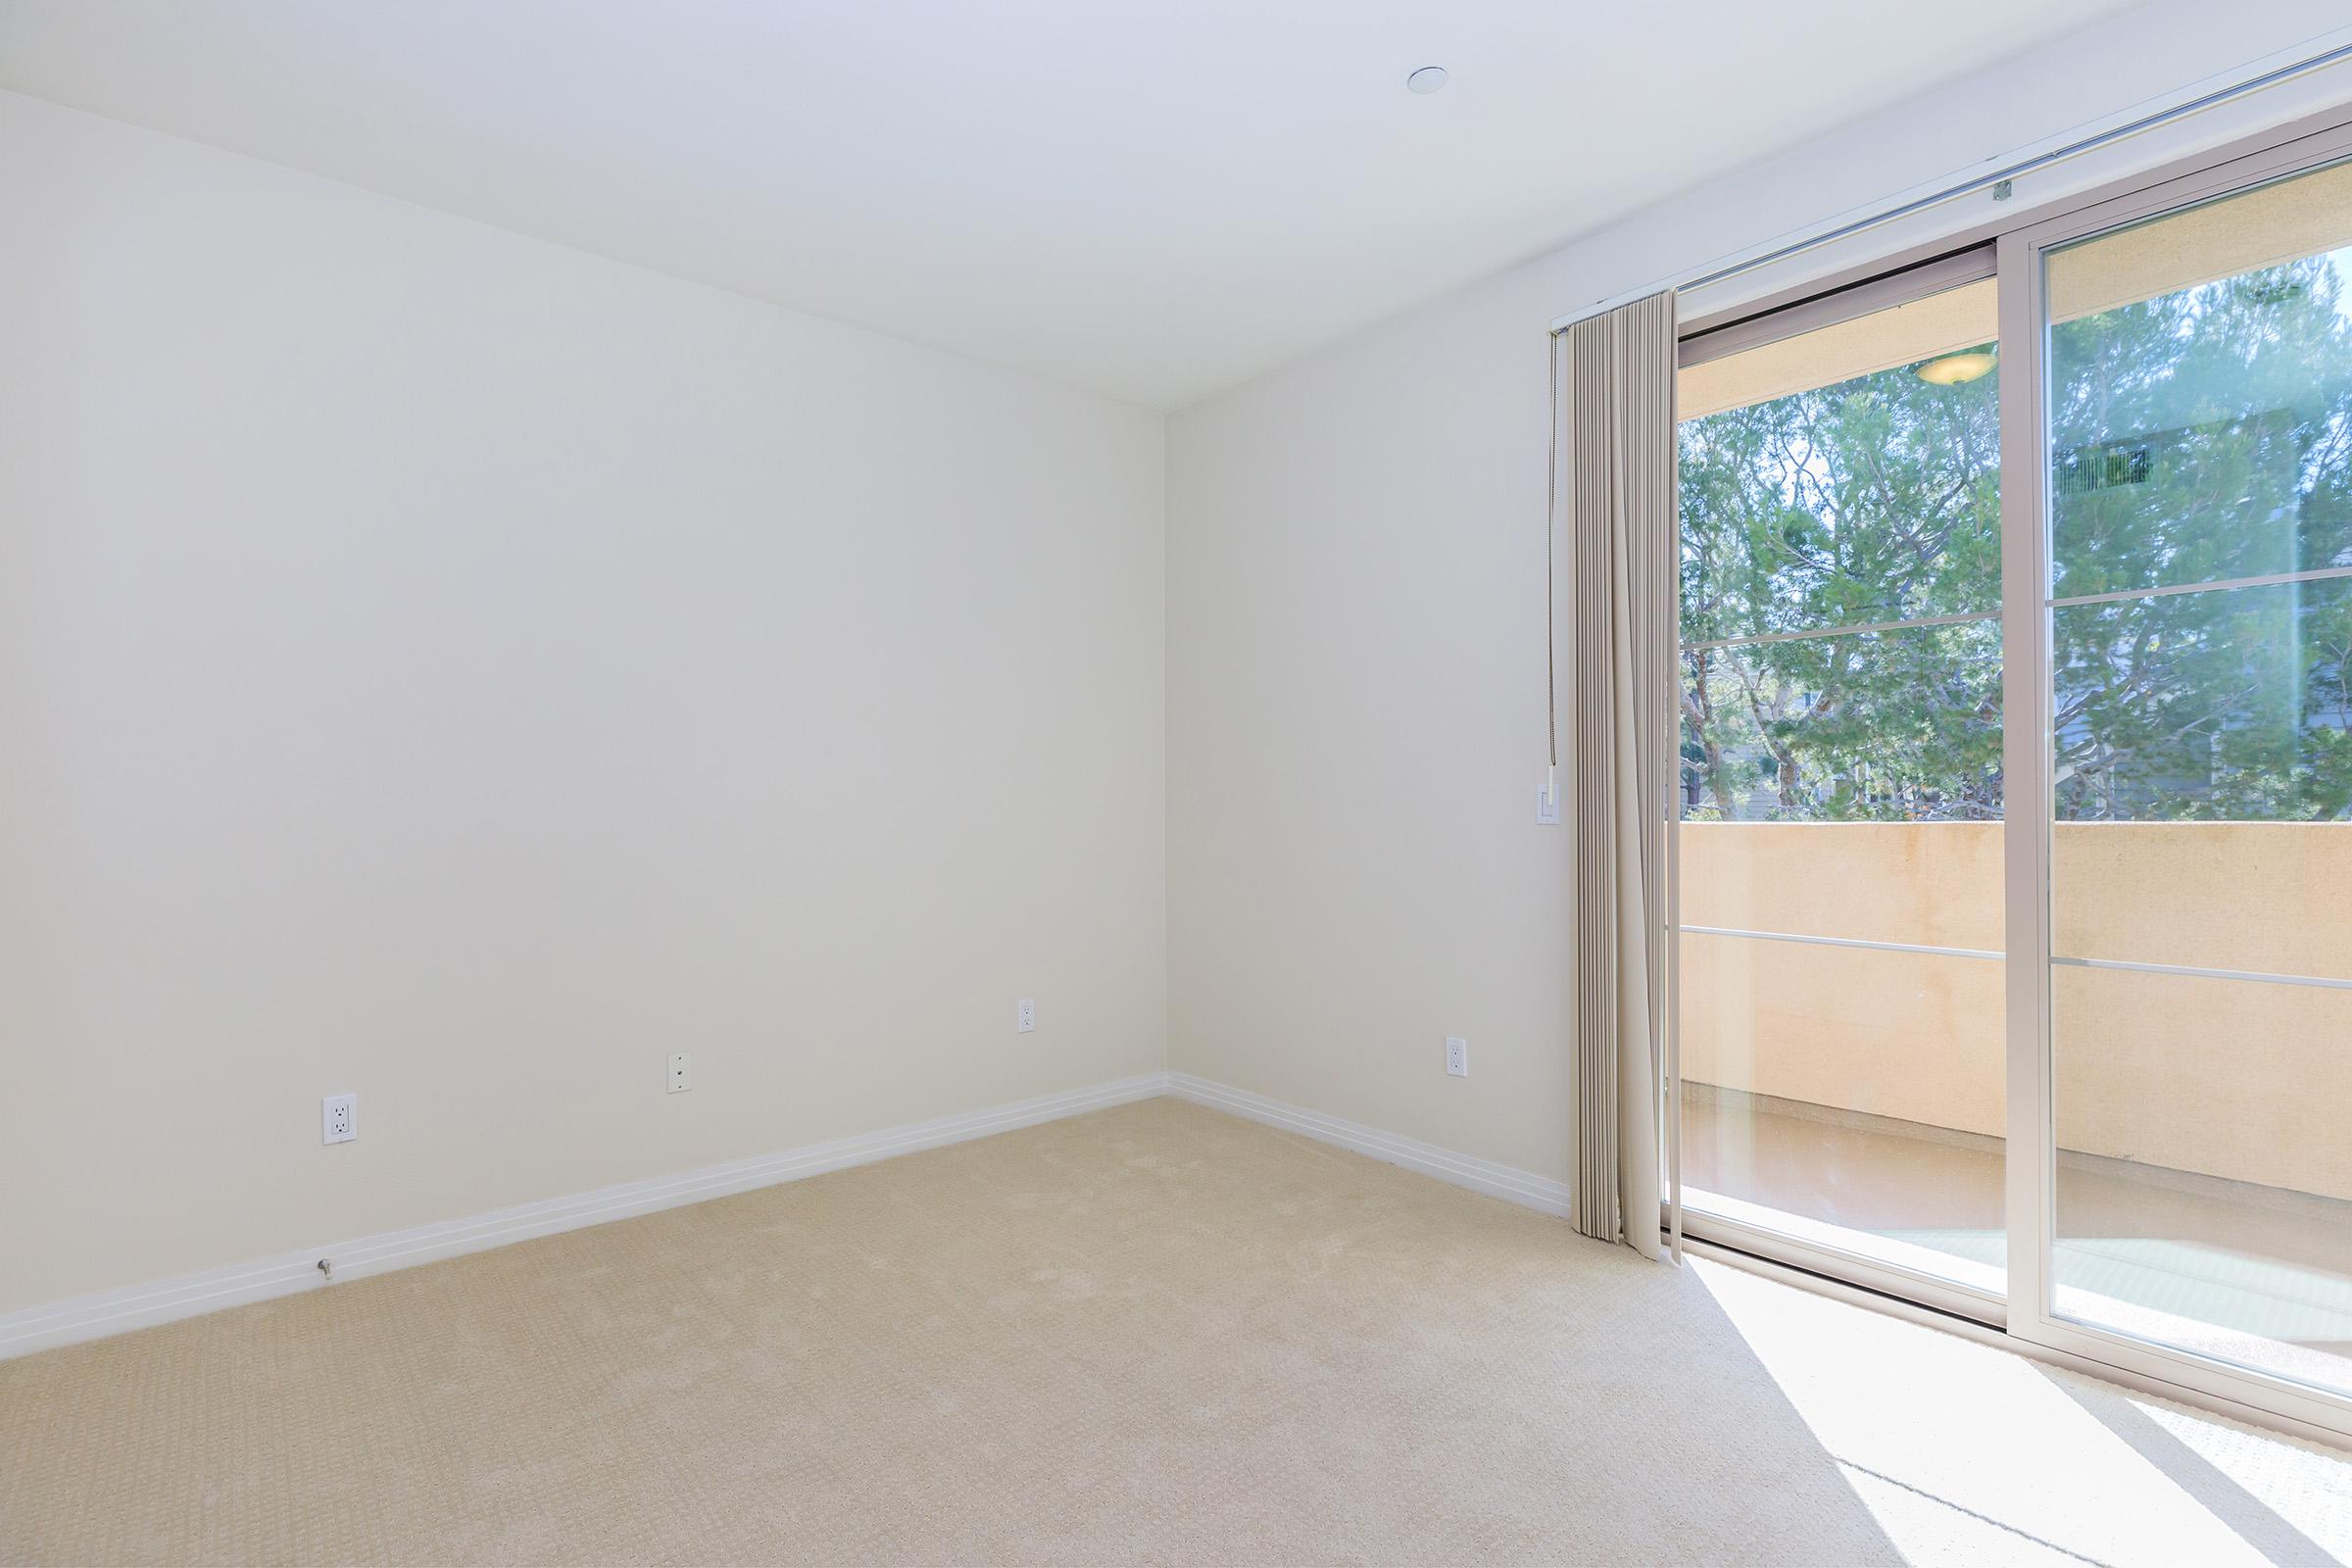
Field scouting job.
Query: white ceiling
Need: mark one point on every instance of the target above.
(1154, 198)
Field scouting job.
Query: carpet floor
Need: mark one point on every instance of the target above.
(1154, 1334)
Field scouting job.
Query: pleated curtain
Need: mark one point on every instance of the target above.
(1615, 494)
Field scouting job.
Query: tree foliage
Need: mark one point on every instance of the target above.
(2199, 437)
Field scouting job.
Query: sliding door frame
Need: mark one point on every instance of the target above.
(2026, 1314)
(2028, 763)
(1819, 1253)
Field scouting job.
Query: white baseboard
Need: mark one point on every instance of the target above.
(1521, 1187)
(116, 1311)
(136, 1306)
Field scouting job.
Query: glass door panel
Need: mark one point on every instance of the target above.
(2203, 1179)
(2200, 480)
(1847, 1097)
(1840, 1017)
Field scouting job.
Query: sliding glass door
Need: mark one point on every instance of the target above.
(2014, 823)
(2194, 791)
(1841, 799)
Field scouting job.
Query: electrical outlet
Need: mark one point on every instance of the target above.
(681, 1072)
(1457, 1056)
(339, 1118)
(1024, 1015)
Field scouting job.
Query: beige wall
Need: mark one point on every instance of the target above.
(456, 669)
(461, 671)
(1356, 621)
(2250, 1082)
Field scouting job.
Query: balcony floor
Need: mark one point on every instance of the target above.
(2250, 1274)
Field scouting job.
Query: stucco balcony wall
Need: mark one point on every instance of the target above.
(2246, 1082)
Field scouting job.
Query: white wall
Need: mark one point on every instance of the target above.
(441, 665)
(1355, 623)
(445, 667)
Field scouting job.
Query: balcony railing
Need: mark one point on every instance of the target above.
(2221, 1077)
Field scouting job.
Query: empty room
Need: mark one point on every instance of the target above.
(1175, 781)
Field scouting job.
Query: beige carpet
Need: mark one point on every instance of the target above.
(1152, 1334)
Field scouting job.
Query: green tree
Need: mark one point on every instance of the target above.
(2205, 436)
(1871, 501)
(2202, 436)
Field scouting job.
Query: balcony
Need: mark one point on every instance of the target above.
(2203, 1171)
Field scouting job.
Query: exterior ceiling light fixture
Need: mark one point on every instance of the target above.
(1954, 369)
(1426, 80)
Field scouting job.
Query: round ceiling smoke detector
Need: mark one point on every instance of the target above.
(1426, 80)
